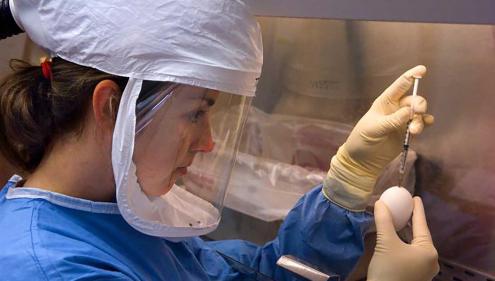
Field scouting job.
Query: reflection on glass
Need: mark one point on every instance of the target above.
(332, 70)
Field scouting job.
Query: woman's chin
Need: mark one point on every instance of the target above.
(159, 189)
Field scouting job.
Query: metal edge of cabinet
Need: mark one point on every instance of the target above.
(427, 11)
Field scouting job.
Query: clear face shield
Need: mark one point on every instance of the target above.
(185, 143)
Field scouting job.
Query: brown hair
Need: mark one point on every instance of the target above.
(34, 111)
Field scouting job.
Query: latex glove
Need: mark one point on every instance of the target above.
(375, 141)
(396, 260)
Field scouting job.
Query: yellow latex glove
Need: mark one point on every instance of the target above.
(375, 141)
(395, 260)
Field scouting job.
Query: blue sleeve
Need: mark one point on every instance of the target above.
(316, 231)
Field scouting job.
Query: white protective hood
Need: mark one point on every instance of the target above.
(214, 44)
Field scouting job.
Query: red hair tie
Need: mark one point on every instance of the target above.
(46, 68)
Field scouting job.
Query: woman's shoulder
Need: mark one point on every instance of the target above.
(16, 256)
(66, 243)
(49, 242)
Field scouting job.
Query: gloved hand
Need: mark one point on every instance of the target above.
(375, 141)
(395, 260)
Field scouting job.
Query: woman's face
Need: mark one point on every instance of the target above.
(167, 146)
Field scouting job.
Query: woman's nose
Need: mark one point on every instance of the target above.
(205, 141)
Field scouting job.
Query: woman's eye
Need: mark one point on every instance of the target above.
(196, 116)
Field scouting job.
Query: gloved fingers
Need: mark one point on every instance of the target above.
(419, 122)
(400, 86)
(384, 222)
(420, 107)
(417, 125)
(420, 103)
(421, 233)
(428, 119)
(393, 122)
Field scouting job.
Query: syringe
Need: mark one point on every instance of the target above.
(405, 149)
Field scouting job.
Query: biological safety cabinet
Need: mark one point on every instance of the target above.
(325, 62)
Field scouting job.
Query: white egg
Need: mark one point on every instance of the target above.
(400, 204)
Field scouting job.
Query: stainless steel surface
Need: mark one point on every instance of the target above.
(305, 270)
(333, 70)
(235, 225)
(10, 48)
(247, 273)
(440, 11)
(453, 271)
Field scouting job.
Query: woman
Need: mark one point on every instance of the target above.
(114, 191)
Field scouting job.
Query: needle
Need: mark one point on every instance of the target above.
(407, 139)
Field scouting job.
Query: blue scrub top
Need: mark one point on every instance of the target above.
(50, 236)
